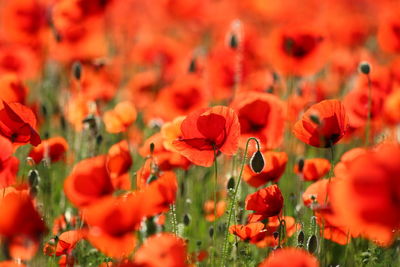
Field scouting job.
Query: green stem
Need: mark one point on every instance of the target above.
(231, 206)
(215, 203)
(368, 126)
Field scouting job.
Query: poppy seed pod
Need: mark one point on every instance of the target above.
(365, 67)
(257, 162)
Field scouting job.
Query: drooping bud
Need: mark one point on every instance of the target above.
(151, 148)
(312, 244)
(300, 165)
(300, 239)
(365, 67)
(275, 234)
(211, 231)
(33, 178)
(231, 184)
(233, 41)
(186, 219)
(192, 65)
(77, 70)
(257, 162)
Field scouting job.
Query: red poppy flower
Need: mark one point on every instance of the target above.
(272, 226)
(82, 187)
(346, 159)
(313, 169)
(298, 50)
(185, 95)
(112, 222)
(389, 32)
(275, 163)
(163, 249)
(54, 149)
(333, 227)
(261, 115)
(206, 130)
(67, 242)
(265, 202)
(252, 232)
(119, 159)
(323, 124)
(21, 224)
(8, 163)
(368, 194)
(165, 159)
(290, 257)
(160, 194)
(18, 123)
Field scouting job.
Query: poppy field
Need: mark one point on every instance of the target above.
(180, 133)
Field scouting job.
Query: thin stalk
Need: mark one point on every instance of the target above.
(231, 206)
(215, 203)
(368, 126)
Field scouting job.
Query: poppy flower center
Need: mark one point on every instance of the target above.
(186, 100)
(254, 117)
(300, 46)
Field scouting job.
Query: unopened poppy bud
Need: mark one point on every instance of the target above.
(198, 243)
(44, 110)
(275, 234)
(257, 162)
(231, 183)
(77, 70)
(211, 231)
(151, 178)
(233, 41)
(192, 65)
(364, 67)
(33, 178)
(99, 139)
(315, 119)
(300, 238)
(186, 219)
(151, 148)
(300, 165)
(312, 244)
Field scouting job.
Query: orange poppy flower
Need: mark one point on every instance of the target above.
(119, 159)
(11, 264)
(112, 221)
(252, 232)
(21, 224)
(323, 124)
(171, 131)
(163, 249)
(82, 187)
(290, 257)
(13, 90)
(206, 130)
(9, 163)
(273, 226)
(265, 203)
(209, 206)
(120, 118)
(367, 196)
(298, 50)
(275, 164)
(18, 123)
(391, 108)
(54, 149)
(65, 244)
(261, 115)
(313, 169)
